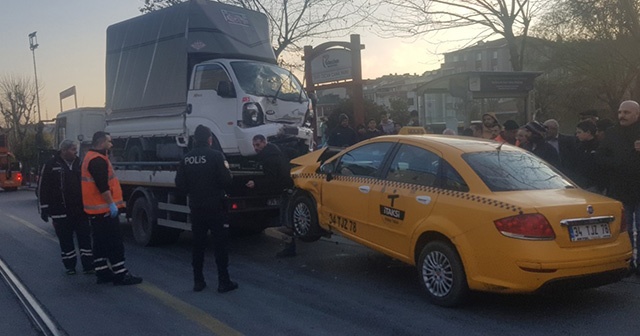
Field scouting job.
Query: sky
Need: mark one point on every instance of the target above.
(71, 48)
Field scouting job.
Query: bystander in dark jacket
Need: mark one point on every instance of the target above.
(342, 135)
(621, 161)
(564, 144)
(585, 171)
(277, 171)
(619, 155)
(371, 131)
(538, 146)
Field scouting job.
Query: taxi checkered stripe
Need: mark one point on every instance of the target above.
(445, 192)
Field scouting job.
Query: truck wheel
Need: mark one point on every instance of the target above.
(303, 218)
(442, 274)
(144, 224)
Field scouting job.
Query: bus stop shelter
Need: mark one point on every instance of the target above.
(473, 85)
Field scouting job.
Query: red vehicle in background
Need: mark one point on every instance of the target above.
(10, 168)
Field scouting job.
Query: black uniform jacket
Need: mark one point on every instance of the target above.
(204, 176)
(276, 168)
(60, 192)
(586, 172)
(621, 162)
(342, 137)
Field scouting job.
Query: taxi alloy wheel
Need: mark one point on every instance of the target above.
(442, 274)
(304, 219)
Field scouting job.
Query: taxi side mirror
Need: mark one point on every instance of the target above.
(328, 169)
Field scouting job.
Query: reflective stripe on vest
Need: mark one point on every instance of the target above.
(94, 203)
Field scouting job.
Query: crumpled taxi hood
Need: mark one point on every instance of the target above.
(309, 159)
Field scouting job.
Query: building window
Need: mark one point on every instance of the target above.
(410, 101)
(455, 58)
(495, 54)
(479, 56)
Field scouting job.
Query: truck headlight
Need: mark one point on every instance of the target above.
(252, 115)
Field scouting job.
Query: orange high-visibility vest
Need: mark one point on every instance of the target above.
(94, 203)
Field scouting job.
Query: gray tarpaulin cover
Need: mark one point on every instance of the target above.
(150, 57)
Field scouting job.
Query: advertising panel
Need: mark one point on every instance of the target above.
(332, 65)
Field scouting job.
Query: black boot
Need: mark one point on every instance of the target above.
(198, 281)
(227, 286)
(127, 280)
(198, 286)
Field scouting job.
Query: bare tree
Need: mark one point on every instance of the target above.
(17, 105)
(507, 18)
(597, 46)
(294, 22)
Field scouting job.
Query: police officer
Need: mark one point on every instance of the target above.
(277, 171)
(203, 174)
(60, 197)
(102, 198)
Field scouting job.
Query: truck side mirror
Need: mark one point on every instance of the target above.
(226, 90)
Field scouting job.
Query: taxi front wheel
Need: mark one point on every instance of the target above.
(442, 274)
(304, 219)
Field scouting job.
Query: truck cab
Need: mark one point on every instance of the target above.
(79, 125)
(199, 62)
(250, 98)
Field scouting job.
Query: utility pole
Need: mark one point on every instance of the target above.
(33, 44)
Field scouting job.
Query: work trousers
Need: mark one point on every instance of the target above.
(65, 229)
(108, 248)
(283, 218)
(212, 219)
(632, 215)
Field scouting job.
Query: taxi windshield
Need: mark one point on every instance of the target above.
(514, 170)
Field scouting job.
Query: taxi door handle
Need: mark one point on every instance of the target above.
(364, 189)
(423, 199)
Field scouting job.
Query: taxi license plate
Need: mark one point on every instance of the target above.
(589, 232)
(273, 201)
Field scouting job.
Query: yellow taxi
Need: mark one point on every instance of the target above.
(469, 214)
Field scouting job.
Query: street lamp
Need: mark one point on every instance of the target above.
(33, 44)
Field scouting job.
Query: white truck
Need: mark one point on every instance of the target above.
(79, 124)
(200, 62)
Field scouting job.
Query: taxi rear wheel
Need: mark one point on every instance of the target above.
(442, 274)
(304, 219)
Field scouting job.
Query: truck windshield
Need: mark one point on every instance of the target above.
(268, 80)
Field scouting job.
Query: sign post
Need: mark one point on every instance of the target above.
(68, 93)
(336, 64)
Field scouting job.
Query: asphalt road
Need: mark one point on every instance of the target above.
(333, 287)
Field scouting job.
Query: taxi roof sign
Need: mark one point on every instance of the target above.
(409, 130)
